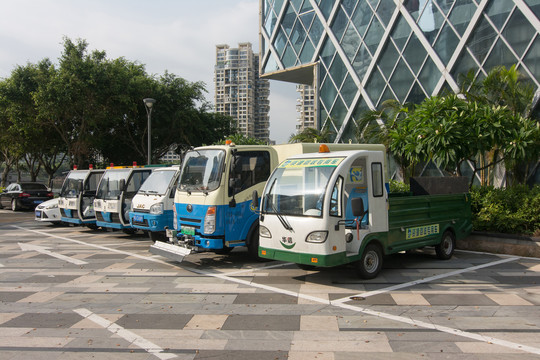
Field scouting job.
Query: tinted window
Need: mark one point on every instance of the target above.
(34, 187)
(252, 167)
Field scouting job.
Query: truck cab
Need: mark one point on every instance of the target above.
(116, 189)
(76, 200)
(152, 207)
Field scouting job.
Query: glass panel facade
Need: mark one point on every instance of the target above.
(405, 68)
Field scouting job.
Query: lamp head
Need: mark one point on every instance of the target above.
(149, 102)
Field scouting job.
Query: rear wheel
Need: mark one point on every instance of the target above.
(370, 264)
(15, 205)
(446, 248)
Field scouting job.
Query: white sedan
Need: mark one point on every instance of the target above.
(48, 211)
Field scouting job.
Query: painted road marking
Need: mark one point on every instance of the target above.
(402, 319)
(127, 335)
(425, 280)
(44, 250)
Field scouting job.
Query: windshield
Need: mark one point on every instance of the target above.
(201, 170)
(109, 186)
(70, 189)
(297, 187)
(158, 182)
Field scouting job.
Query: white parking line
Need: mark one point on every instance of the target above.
(340, 304)
(127, 335)
(425, 280)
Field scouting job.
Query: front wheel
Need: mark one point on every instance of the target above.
(253, 245)
(446, 248)
(370, 264)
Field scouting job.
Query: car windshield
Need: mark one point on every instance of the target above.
(202, 170)
(109, 186)
(297, 187)
(71, 184)
(158, 182)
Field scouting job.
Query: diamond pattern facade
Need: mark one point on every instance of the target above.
(363, 52)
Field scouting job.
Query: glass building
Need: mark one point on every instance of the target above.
(358, 53)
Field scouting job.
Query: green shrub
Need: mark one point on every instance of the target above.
(514, 210)
(398, 187)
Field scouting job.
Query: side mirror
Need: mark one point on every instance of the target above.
(357, 206)
(255, 199)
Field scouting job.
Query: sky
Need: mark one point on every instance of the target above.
(179, 36)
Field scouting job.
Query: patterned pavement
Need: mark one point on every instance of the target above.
(70, 292)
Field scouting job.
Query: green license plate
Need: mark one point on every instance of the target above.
(187, 230)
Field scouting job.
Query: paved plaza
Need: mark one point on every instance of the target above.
(76, 293)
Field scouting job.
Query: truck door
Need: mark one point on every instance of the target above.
(86, 202)
(249, 171)
(356, 186)
(132, 186)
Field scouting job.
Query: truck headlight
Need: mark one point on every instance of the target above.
(156, 209)
(210, 220)
(317, 237)
(264, 232)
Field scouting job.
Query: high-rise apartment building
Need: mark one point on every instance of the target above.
(305, 108)
(239, 92)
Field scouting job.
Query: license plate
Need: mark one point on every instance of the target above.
(38, 201)
(38, 214)
(138, 218)
(188, 230)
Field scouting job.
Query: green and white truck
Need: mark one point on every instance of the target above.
(333, 208)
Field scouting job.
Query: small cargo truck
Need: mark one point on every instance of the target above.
(334, 208)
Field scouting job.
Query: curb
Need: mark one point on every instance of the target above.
(527, 246)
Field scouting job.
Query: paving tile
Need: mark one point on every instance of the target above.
(359, 346)
(459, 299)
(154, 321)
(310, 322)
(201, 321)
(41, 297)
(485, 348)
(7, 297)
(409, 299)
(267, 298)
(508, 299)
(242, 355)
(262, 322)
(273, 280)
(48, 320)
(50, 279)
(311, 355)
(424, 347)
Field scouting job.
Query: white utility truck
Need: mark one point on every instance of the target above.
(117, 187)
(152, 207)
(333, 208)
(76, 200)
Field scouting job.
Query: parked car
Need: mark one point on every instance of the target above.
(48, 211)
(24, 195)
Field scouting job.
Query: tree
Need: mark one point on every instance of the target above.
(241, 139)
(508, 88)
(312, 135)
(450, 130)
(374, 127)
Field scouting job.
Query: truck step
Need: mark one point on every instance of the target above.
(169, 251)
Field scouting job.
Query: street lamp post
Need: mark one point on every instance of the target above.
(148, 103)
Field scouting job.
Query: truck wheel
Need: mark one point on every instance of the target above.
(446, 248)
(369, 266)
(253, 245)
